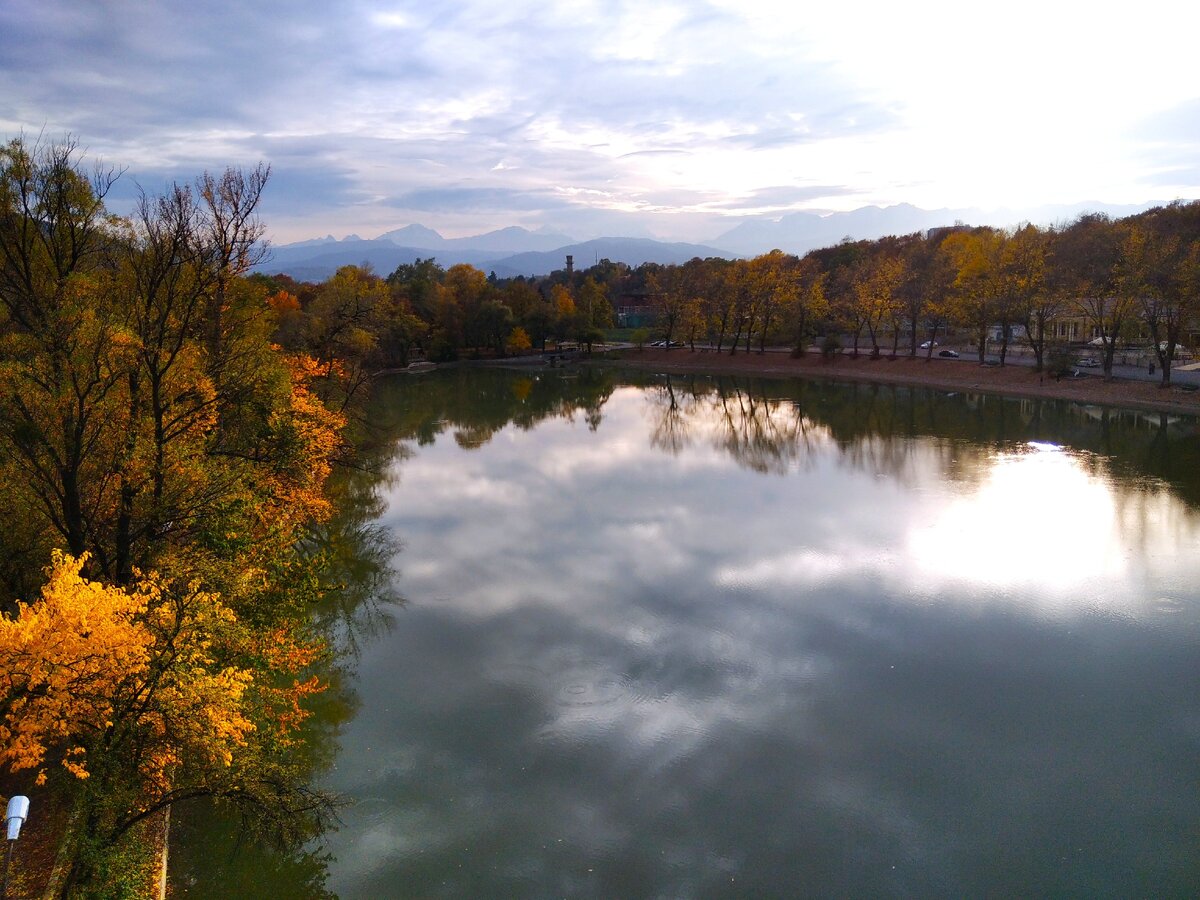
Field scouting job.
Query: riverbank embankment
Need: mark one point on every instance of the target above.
(945, 374)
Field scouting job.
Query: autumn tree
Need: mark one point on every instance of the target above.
(596, 311)
(718, 298)
(564, 311)
(669, 290)
(876, 284)
(345, 321)
(810, 306)
(1089, 254)
(518, 342)
(234, 236)
(147, 696)
(521, 297)
(1163, 259)
(742, 282)
(977, 292)
(57, 338)
(841, 264)
(778, 291)
(1035, 303)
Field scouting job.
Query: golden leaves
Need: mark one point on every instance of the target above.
(89, 665)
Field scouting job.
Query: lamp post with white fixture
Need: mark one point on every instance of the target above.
(18, 812)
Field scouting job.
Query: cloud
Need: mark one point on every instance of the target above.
(785, 196)
(466, 199)
(632, 100)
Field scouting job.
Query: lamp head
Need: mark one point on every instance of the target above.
(18, 812)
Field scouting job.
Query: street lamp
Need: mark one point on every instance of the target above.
(18, 812)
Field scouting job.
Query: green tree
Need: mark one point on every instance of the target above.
(345, 321)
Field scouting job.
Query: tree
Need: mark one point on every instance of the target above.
(597, 312)
(234, 235)
(975, 256)
(1036, 303)
(777, 290)
(61, 349)
(493, 321)
(876, 283)
(417, 282)
(669, 291)
(518, 342)
(811, 304)
(136, 693)
(933, 278)
(1163, 259)
(564, 311)
(841, 263)
(345, 321)
(719, 298)
(148, 423)
(1088, 255)
(126, 446)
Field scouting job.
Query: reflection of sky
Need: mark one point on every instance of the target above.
(627, 672)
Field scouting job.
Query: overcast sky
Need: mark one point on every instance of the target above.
(664, 119)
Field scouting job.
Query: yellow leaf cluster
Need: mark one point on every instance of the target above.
(60, 662)
(88, 668)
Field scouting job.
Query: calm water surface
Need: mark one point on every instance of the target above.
(717, 638)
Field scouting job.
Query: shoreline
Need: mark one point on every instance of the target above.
(939, 374)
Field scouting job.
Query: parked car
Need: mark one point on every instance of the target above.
(928, 344)
(1088, 363)
(949, 354)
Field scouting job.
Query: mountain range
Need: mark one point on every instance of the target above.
(516, 251)
(508, 252)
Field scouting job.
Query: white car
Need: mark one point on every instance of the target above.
(928, 344)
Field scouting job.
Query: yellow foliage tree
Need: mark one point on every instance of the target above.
(146, 695)
(88, 665)
(518, 342)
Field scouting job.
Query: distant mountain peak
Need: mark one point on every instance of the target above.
(413, 236)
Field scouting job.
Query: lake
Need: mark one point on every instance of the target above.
(700, 637)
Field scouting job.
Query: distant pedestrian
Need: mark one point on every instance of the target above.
(1151, 368)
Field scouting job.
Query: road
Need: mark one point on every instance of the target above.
(1125, 373)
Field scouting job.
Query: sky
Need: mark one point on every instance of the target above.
(671, 120)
